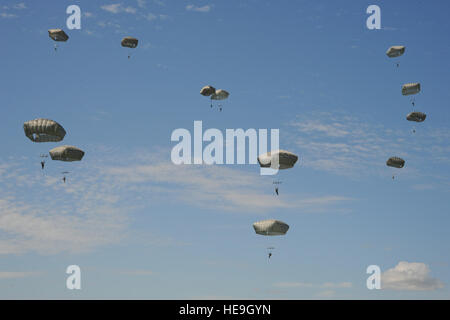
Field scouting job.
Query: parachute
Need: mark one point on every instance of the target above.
(270, 227)
(129, 42)
(410, 88)
(286, 159)
(44, 130)
(207, 91)
(220, 95)
(416, 116)
(58, 35)
(66, 153)
(395, 51)
(395, 162)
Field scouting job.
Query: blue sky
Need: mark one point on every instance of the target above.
(140, 227)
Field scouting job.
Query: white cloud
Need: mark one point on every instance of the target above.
(113, 8)
(345, 145)
(7, 15)
(191, 7)
(16, 274)
(411, 276)
(313, 285)
(20, 6)
(39, 213)
(150, 16)
(141, 3)
(138, 272)
(118, 8)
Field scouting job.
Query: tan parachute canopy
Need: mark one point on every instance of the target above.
(58, 34)
(286, 159)
(395, 162)
(207, 91)
(66, 153)
(395, 51)
(410, 88)
(270, 227)
(220, 95)
(416, 116)
(129, 42)
(44, 130)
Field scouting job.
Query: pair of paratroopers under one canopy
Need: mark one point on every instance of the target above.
(210, 91)
(46, 130)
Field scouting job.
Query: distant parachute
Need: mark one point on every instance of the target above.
(286, 159)
(129, 42)
(66, 153)
(270, 227)
(207, 91)
(395, 162)
(58, 35)
(416, 116)
(44, 130)
(220, 95)
(395, 51)
(410, 88)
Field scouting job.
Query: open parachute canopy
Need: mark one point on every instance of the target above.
(286, 159)
(395, 162)
(220, 95)
(410, 88)
(129, 42)
(270, 227)
(44, 130)
(66, 153)
(207, 91)
(395, 51)
(58, 34)
(416, 116)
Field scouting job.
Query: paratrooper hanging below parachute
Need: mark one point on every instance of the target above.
(58, 35)
(129, 42)
(395, 162)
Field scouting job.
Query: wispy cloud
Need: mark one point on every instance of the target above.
(41, 214)
(410, 276)
(118, 8)
(191, 7)
(141, 3)
(7, 15)
(16, 274)
(345, 145)
(20, 6)
(313, 285)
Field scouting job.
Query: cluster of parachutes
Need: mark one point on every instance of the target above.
(277, 160)
(407, 89)
(46, 130)
(59, 35)
(210, 91)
